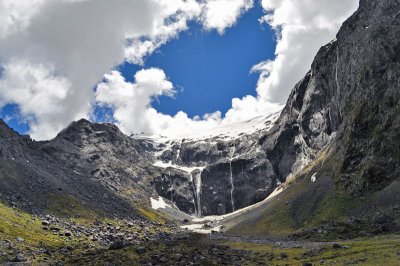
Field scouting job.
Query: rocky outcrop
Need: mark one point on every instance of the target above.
(234, 172)
(46, 176)
(368, 51)
(350, 100)
(176, 186)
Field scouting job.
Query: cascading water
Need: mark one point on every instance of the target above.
(178, 152)
(171, 186)
(198, 193)
(231, 179)
(232, 188)
(337, 78)
(194, 191)
(195, 178)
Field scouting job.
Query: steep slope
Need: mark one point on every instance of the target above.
(55, 176)
(343, 118)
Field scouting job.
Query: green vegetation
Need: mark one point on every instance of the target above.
(21, 232)
(15, 223)
(24, 232)
(67, 206)
(375, 251)
(332, 208)
(151, 215)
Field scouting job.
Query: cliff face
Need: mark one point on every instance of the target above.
(223, 172)
(349, 99)
(369, 65)
(344, 118)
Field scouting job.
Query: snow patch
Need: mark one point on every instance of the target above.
(314, 177)
(158, 204)
(200, 228)
(186, 169)
(224, 132)
(199, 225)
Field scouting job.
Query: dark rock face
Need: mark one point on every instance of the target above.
(235, 173)
(310, 119)
(367, 146)
(38, 175)
(175, 185)
(234, 185)
(349, 100)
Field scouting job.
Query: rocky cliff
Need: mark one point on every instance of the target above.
(344, 119)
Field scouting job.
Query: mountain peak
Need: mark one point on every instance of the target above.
(6, 130)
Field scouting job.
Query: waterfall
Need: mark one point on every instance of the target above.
(232, 187)
(178, 152)
(195, 178)
(194, 191)
(337, 79)
(231, 178)
(171, 186)
(198, 193)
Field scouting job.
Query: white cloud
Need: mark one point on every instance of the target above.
(131, 104)
(303, 26)
(220, 14)
(131, 101)
(249, 107)
(36, 90)
(15, 15)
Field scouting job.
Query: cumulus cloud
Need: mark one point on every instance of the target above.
(131, 104)
(54, 53)
(36, 90)
(132, 111)
(15, 15)
(220, 14)
(131, 101)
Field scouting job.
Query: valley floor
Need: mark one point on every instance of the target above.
(201, 250)
(51, 240)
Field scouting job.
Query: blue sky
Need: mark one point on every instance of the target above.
(10, 113)
(209, 69)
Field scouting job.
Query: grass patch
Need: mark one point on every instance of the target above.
(69, 207)
(15, 223)
(277, 224)
(333, 208)
(375, 251)
(18, 224)
(151, 215)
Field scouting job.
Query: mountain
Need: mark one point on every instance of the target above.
(343, 115)
(326, 167)
(342, 118)
(99, 165)
(37, 176)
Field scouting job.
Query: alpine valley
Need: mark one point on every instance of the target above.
(317, 183)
